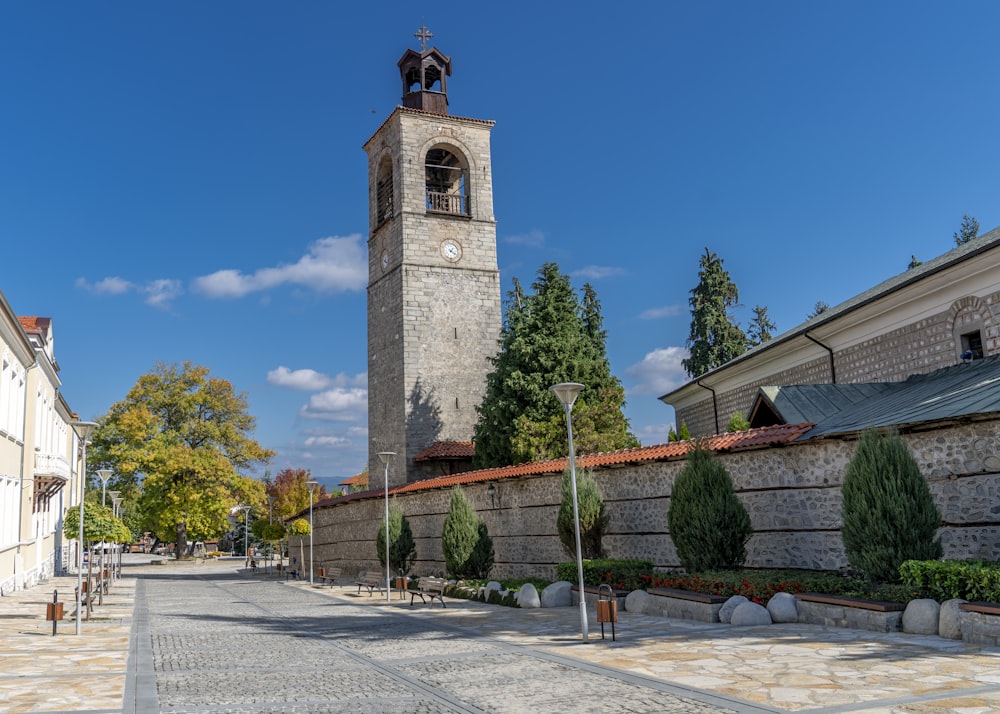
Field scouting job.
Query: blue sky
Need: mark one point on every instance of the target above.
(185, 180)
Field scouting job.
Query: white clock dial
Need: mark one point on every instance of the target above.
(385, 260)
(451, 250)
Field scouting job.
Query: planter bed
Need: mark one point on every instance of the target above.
(980, 624)
(685, 604)
(856, 613)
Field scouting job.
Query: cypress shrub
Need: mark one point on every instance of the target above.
(402, 548)
(593, 518)
(888, 513)
(465, 540)
(708, 523)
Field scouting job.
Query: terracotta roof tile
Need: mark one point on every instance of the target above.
(355, 480)
(447, 450)
(733, 441)
(32, 323)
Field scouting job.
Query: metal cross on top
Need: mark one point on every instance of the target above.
(424, 34)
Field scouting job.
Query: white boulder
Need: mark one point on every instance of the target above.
(726, 613)
(782, 608)
(750, 613)
(921, 617)
(527, 596)
(950, 619)
(558, 594)
(638, 601)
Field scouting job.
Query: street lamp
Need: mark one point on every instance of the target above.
(310, 484)
(105, 474)
(567, 393)
(116, 511)
(385, 457)
(83, 430)
(116, 503)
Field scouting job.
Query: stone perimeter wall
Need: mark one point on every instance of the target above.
(791, 492)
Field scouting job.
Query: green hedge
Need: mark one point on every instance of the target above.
(946, 579)
(619, 574)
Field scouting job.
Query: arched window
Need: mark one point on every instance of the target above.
(383, 192)
(447, 183)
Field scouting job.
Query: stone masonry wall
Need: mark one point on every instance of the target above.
(792, 494)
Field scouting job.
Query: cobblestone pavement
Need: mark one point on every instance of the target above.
(209, 638)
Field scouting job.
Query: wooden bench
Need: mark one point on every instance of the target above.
(429, 588)
(328, 575)
(372, 582)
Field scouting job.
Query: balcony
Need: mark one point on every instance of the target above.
(52, 465)
(456, 204)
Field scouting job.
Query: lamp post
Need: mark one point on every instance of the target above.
(270, 520)
(104, 474)
(567, 393)
(116, 503)
(83, 430)
(385, 457)
(310, 484)
(114, 495)
(116, 511)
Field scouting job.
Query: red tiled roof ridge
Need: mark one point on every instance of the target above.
(447, 449)
(729, 441)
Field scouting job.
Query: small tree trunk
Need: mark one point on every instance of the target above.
(181, 545)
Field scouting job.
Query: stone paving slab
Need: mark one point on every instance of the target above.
(208, 639)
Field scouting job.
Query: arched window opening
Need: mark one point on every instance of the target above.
(447, 182)
(383, 192)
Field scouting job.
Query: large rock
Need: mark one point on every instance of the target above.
(782, 608)
(726, 613)
(950, 619)
(921, 617)
(558, 594)
(638, 601)
(527, 596)
(750, 613)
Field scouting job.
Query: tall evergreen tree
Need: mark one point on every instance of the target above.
(818, 309)
(967, 231)
(594, 518)
(465, 540)
(549, 337)
(760, 329)
(715, 338)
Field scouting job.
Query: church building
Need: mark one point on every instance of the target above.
(433, 280)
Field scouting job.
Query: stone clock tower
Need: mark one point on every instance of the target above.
(433, 282)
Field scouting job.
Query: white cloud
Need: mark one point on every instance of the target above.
(659, 372)
(307, 380)
(654, 434)
(331, 264)
(534, 238)
(596, 272)
(107, 286)
(656, 313)
(326, 441)
(339, 404)
(160, 292)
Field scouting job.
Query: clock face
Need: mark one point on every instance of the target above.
(385, 260)
(451, 250)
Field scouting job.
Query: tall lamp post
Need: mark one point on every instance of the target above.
(104, 475)
(83, 430)
(116, 510)
(385, 457)
(311, 484)
(567, 393)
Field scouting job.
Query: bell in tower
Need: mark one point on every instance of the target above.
(424, 76)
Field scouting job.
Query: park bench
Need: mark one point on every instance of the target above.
(328, 575)
(429, 588)
(372, 582)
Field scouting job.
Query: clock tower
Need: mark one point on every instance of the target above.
(433, 282)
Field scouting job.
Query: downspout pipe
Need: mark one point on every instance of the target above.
(833, 369)
(715, 403)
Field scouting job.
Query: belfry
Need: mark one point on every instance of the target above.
(433, 281)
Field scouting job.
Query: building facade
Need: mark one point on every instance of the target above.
(434, 285)
(39, 469)
(932, 316)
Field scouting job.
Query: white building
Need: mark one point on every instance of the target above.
(39, 468)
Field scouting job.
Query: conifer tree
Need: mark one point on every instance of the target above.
(967, 231)
(888, 513)
(684, 434)
(714, 338)
(465, 540)
(402, 548)
(737, 422)
(760, 329)
(549, 337)
(708, 524)
(593, 516)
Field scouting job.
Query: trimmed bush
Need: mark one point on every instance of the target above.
(619, 574)
(593, 517)
(888, 513)
(708, 524)
(943, 580)
(402, 549)
(465, 540)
